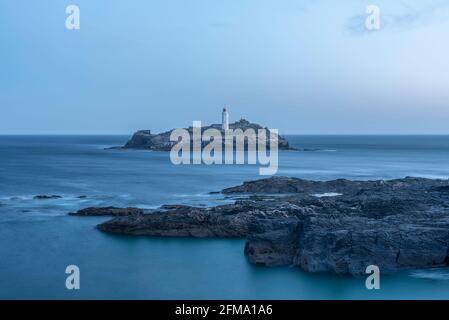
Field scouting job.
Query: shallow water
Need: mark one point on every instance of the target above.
(38, 240)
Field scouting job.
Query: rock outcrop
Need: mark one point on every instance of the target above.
(395, 224)
(145, 139)
(108, 211)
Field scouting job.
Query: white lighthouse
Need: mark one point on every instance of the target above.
(225, 120)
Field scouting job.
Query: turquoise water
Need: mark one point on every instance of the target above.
(38, 240)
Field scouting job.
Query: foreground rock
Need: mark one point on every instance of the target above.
(145, 139)
(397, 224)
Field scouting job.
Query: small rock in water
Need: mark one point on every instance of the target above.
(47, 197)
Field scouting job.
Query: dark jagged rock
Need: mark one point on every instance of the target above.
(295, 185)
(174, 207)
(395, 224)
(108, 211)
(181, 222)
(46, 197)
(145, 139)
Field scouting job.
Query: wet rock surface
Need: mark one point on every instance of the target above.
(396, 224)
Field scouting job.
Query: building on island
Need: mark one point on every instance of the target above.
(225, 120)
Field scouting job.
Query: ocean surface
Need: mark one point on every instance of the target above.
(38, 239)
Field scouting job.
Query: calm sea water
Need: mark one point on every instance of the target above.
(38, 239)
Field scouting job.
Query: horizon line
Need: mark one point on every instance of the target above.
(282, 134)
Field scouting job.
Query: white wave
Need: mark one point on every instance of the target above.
(197, 195)
(430, 176)
(327, 194)
(432, 274)
(147, 206)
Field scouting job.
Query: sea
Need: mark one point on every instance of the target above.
(38, 239)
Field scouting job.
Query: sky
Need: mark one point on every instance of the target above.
(303, 66)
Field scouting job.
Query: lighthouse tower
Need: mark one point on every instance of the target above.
(225, 120)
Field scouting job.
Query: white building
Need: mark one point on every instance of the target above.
(225, 120)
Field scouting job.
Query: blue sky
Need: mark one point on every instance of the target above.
(306, 67)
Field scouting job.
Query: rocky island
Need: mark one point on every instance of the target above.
(338, 226)
(145, 139)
